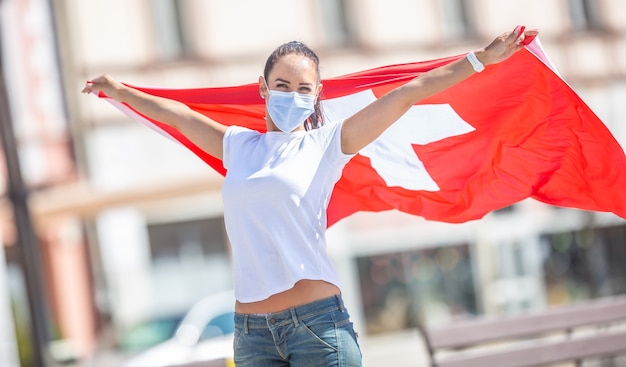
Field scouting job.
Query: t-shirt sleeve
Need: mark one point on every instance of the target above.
(234, 138)
(332, 135)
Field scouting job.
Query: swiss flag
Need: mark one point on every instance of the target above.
(514, 131)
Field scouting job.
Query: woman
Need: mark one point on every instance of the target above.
(289, 310)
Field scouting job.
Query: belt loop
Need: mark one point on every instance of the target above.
(294, 317)
(339, 302)
(245, 324)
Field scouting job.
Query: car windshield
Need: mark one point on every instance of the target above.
(222, 324)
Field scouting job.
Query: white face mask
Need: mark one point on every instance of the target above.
(289, 109)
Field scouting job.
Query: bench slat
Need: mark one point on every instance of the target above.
(471, 332)
(534, 355)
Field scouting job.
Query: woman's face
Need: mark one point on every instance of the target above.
(292, 73)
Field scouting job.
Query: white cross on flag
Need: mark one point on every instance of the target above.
(514, 131)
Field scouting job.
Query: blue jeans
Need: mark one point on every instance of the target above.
(315, 334)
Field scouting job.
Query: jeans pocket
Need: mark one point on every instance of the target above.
(238, 333)
(328, 340)
(322, 329)
(346, 329)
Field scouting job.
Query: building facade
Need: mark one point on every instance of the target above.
(141, 217)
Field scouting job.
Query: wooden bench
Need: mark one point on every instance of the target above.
(570, 333)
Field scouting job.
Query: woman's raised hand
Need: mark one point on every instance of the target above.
(506, 45)
(104, 83)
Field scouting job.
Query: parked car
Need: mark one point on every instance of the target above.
(149, 332)
(204, 337)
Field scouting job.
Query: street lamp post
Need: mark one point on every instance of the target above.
(29, 251)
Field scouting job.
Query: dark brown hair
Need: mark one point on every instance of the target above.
(294, 47)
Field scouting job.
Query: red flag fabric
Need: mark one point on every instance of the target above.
(514, 131)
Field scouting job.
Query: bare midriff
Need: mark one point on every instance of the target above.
(304, 291)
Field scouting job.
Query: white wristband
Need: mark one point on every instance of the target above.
(476, 64)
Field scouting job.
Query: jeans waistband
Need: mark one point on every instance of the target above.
(289, 316)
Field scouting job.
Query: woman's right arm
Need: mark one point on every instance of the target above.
(201, 130)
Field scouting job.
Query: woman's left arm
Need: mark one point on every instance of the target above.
(366, 125)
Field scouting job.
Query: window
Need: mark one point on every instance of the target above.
(201, 237)
(584, 15)
(189, 260)
(428, 284)
(169, 31)
(457, 22)
(507, 209)
(222, 324)
(584, 264)
(337, 29)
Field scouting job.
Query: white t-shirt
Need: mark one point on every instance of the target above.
(276, 192)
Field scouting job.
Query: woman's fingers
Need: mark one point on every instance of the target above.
(508, 43)
(102, 83)
(88, 87)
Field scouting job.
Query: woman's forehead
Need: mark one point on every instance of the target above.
(294, 66)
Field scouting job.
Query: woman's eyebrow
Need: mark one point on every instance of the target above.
(282, 80)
